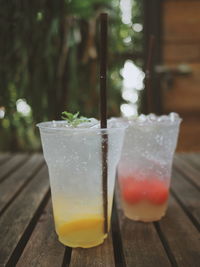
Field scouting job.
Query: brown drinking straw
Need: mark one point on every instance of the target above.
(103, 112)
(149, 74)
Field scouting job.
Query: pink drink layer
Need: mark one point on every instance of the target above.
(144, 200)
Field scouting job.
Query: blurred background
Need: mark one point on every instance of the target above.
(49, 62)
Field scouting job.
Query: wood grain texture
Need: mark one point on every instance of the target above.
(189, 135)
(11, 186)
(12, 165)
(187, 170)
(179, 53)
(193, 159)
(4, 157)
(181, 21)
(184, 95)
(15, 222)
(100, 256)
(141, 243)
(187, 194)
(181, 44)
(43, 248)
(181, 236)
(28, 238)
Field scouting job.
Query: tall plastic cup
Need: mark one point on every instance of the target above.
(144, 170)
(74, 159)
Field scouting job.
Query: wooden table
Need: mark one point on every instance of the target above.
(27, 236)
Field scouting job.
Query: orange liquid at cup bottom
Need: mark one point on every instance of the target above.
(79, 228)
(82, 232)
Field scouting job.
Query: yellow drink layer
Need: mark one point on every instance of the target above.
(82, 232)
(83, 225)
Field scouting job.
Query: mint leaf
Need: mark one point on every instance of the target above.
(67, 116)
(73, 119)
(75, 115)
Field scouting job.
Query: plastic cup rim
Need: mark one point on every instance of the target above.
(45, 126)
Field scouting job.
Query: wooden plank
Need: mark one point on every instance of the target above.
(141, 243)
(188, 195)
(13, 184)
(174, 52)
(185, 168)
(99, 256)
(193, 159)
(185, 155)
(189, 135)
(17, 222)
(190, 157)
(43, 248)
(181, 236)
(181, 21)
(12, 165)
(4, 157)
(187, 87)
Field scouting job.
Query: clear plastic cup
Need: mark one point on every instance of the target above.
(145, 166)
(74, 159)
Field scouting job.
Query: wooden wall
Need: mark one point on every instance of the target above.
(181, 44)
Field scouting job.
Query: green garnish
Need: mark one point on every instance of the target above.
(73, 119)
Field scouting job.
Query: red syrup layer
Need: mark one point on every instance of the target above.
(144, 199)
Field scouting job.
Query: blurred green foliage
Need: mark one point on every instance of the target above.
(49, 56)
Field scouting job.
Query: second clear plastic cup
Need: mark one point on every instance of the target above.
(74, 159)
(144, 170)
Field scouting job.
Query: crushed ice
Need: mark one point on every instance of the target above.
(120, 122)
(152, 118)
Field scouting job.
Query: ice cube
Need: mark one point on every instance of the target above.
(117, 122)
(173, 116)
(152, 117)
(54, 123)
(142, 118)
(163, 118)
